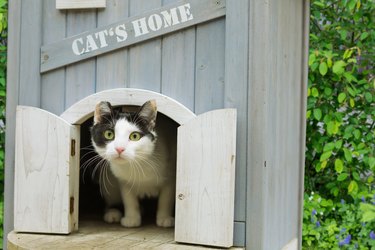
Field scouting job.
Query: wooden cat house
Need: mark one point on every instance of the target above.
(232, 74)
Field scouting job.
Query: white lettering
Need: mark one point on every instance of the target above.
(90, 44)
(140, 27)
(101, 35)
(185, 13)
(154, 22)
(121, 33)
(75, 48)
(170, 18)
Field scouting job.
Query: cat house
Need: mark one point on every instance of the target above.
(232, 74)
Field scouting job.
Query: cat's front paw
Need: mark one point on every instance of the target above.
(129, 221)
(112, 215)
(165, 221)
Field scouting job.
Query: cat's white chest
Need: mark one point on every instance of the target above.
(143, 180)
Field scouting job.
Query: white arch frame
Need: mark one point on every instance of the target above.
(84, 109)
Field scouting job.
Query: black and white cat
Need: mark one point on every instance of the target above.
(141, 158)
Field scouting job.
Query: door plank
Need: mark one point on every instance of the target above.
(46, 173)
(206, 150)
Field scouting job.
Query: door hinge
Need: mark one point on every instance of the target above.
(71, 205)
(73, 147)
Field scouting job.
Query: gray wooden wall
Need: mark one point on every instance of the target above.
(253, 59)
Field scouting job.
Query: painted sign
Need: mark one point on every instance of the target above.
(170, 18)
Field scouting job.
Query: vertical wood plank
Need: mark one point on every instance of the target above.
(31, 31)
(178, 78)
(112, 68)
(13, 80)
(236, 88)
(210, 66)
(42, 172)
(275, 122)
(80, 77)
(145, 58)
(53, 83)
(205, 179)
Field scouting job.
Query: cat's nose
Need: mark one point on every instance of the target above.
(120, 149)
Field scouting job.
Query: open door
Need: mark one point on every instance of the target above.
(206, 149)
(46, 173)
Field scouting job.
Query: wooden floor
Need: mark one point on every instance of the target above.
(100, 235)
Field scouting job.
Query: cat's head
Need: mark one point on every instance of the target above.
(121, 137)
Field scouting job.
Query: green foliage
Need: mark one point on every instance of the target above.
(3, 61)
(340, 159)
(329, 224)
(340, 139)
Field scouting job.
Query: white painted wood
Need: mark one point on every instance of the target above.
(82, 110)
(292, 245)
(80, 4)
(206, 148)
(46, 173)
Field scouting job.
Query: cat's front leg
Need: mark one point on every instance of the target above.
(164, 216)
(132, 212)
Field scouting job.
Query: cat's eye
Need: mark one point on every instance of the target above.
(109, 134)
(135, 136)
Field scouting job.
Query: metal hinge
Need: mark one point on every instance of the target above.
(73, 147)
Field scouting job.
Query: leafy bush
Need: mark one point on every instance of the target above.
(3, 60)
(340, 139)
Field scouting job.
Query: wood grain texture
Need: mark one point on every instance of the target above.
(31, 28)
(275, 123)
(100, 235)
(210, 66)
(82, 110)
(236, 89)
(206, 148)
(145, 58)
(80, 78)
(112, 69)
(46, 174)
(59, 54)
(80, 4)
(13, 77)
(178, 78)
(53, 82)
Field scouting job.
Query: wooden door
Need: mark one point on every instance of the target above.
(46, 173)
(206, 150)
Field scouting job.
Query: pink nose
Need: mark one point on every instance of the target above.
(120, 150)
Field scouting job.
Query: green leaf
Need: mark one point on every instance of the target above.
(364, 35)
(353, 187)
(323, 68)
(314, 92)
(341, 97)
(347, 155)
(357, 134)
(339, 166)
(338, 144)
(352, 4)
(339, 67)
(317, 114)
(329, 147)
(356, 176)
(352, 103)
(312, 59)
(342, 177)
(371, 162)
(325, 156)
(368, 97)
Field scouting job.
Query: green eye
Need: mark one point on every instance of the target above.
(135, 136)
(109, 134)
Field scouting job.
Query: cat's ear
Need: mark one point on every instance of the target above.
(147, 113)
(102, 109)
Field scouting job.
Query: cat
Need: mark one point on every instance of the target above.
(142, 160)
